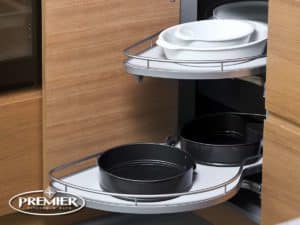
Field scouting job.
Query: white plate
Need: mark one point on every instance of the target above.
(214, 33)
(173, 50)
(247, 10)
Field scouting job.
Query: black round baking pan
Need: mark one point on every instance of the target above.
(223, 139)
(146, 169)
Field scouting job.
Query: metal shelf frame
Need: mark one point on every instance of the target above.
(145, 59)
(179, 202)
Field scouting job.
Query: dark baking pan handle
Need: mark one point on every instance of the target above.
(254, 121)
(252, 186)
(253, 169)
(173, 141)
(251, 158)
(255, 117)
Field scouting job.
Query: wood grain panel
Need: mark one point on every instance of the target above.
(224, 214)
(283, 70)
(75, 218)
(90, 104)
(21, 144)
(281, 179)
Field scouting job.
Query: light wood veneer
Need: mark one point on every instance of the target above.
(20, 144)
(90, 104)
(281, 171)
(283, 66)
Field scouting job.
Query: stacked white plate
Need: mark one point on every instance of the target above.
(221, 39)
(243, 10)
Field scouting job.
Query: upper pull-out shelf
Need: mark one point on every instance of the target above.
(144, 58)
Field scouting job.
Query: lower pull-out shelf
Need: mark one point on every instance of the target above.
(212, 185)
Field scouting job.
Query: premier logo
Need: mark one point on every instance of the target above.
(46, 203)
(43, 201)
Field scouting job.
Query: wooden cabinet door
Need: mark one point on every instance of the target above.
(90, 103)
(281, 179)
(283, 67)
(281, 171)
(20, 144)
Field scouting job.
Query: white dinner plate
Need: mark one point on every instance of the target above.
(176, 51)
(214, 33)
(246, 10)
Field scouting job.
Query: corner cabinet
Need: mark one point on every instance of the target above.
(90, 104)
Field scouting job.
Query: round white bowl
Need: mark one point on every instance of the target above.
(214, 33)
(173, 50)
(243, 10)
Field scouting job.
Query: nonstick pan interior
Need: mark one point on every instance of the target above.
(145, 169)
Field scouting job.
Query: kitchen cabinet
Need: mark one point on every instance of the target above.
(21, 144)
(283, 69)
(90, 104)
(281, 180)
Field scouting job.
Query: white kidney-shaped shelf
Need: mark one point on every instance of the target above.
(151, 62)
(212, 185)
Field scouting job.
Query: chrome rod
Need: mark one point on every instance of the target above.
(150, 38)
(133, 196)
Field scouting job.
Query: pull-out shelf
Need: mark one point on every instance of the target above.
(212, 185)
(151, 62)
